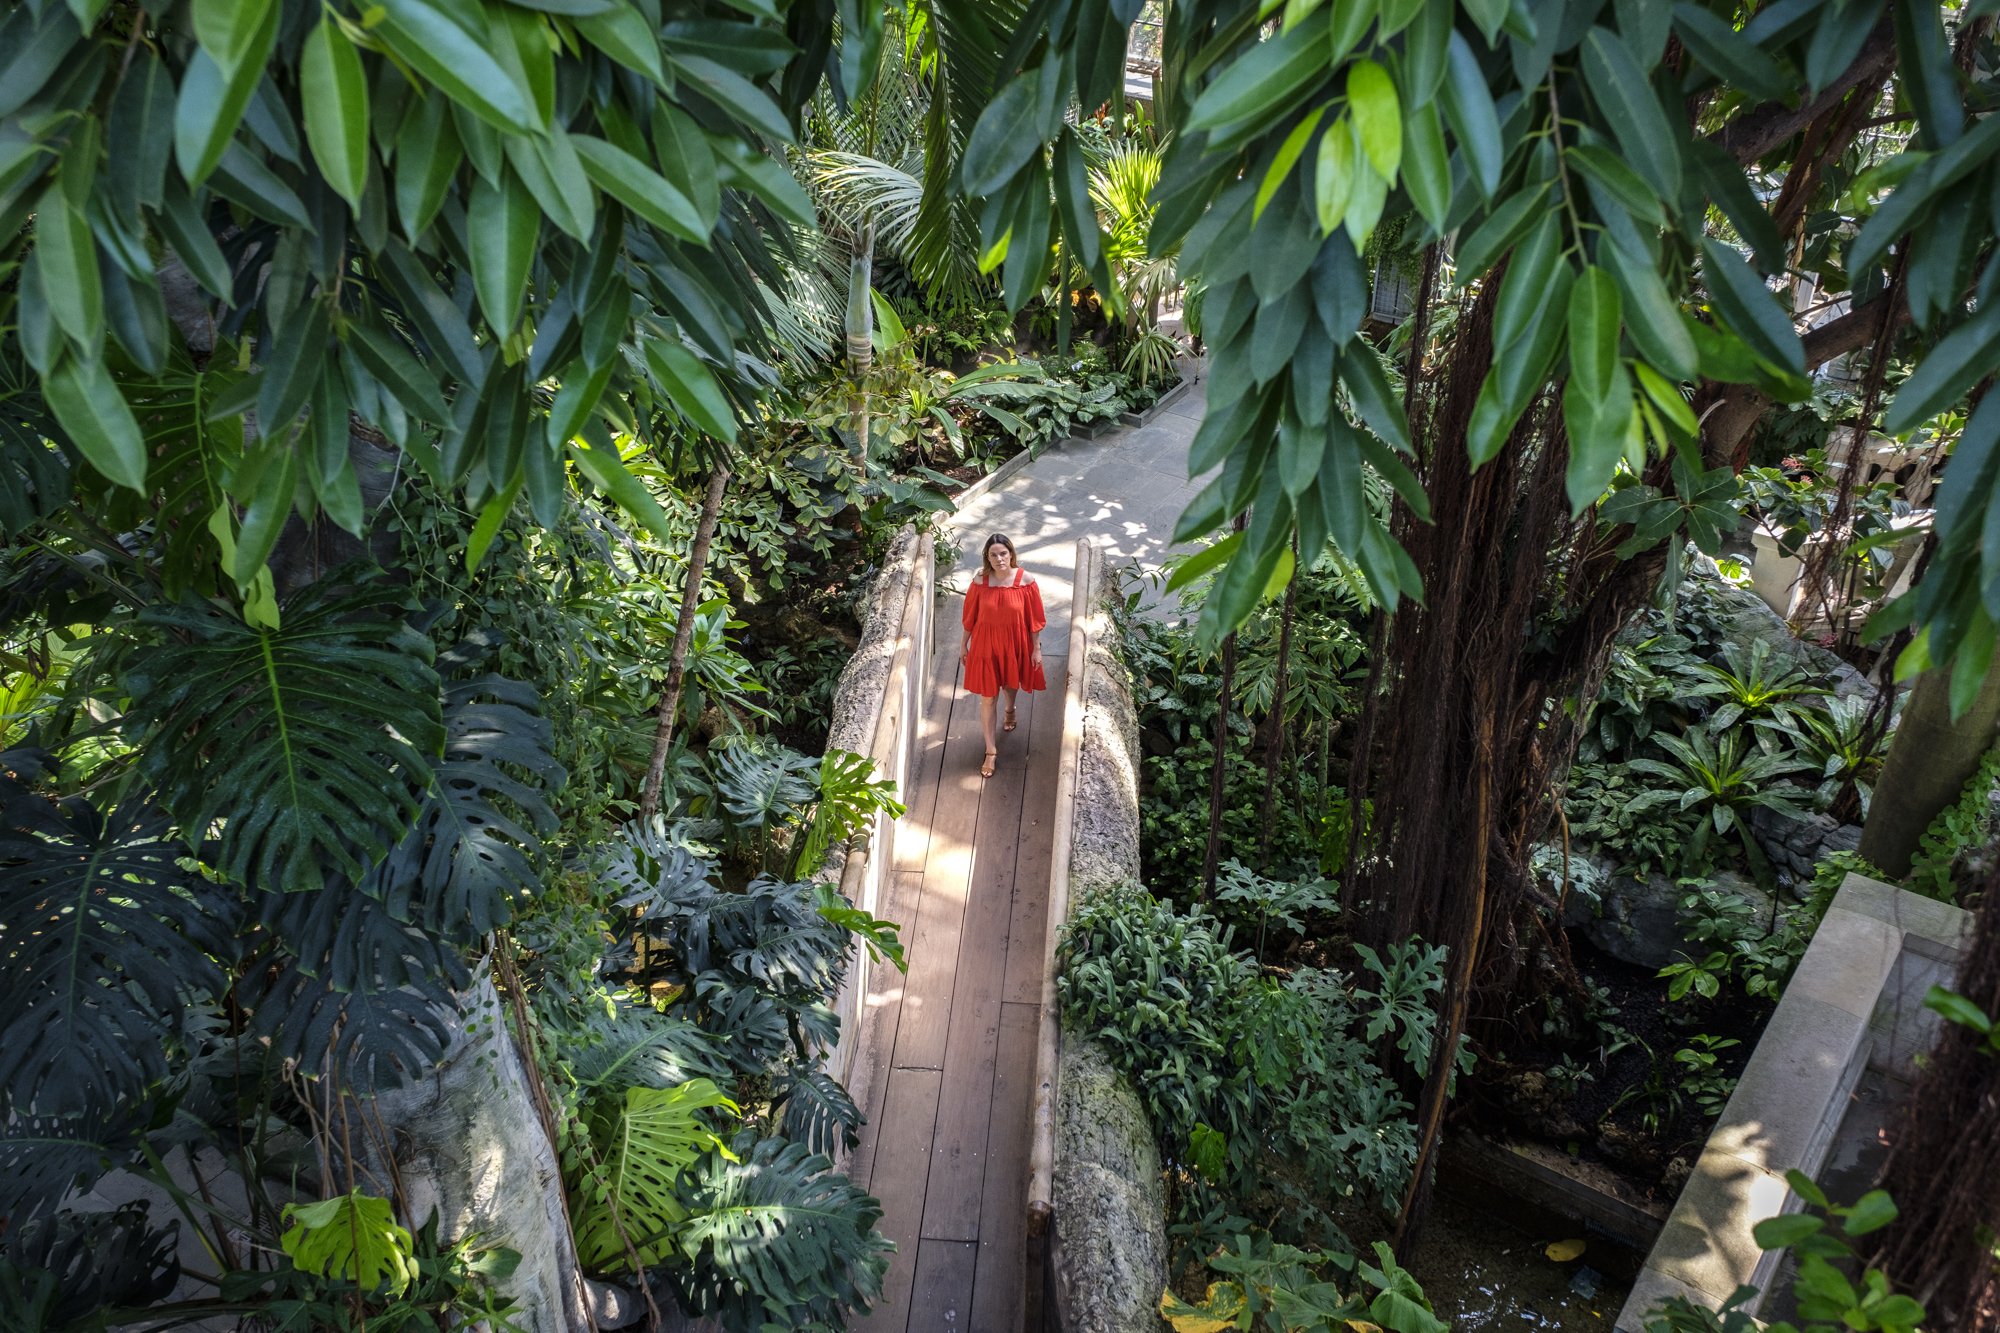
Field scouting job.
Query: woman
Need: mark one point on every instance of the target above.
(1003, 645)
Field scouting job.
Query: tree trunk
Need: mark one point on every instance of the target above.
(468, 1141)
(670, 695)
(1943, 1168)
(1274, 743)
(860, 329)
(1217, 785)
(1929, 763)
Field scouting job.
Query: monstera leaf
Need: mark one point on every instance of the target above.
(348, 937)
(353, 1237)
(654, 872)
(779, 1238)
(819, 1113)
(471, 856)
(379, 1040)
(58, 1271)
(634, 1047)
(314, 742)
(105, 932)
(770, 934)
(42, 1157)
(762, 785)
(34, 471)
(629, 1190)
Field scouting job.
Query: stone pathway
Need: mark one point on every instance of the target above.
(947, 1063)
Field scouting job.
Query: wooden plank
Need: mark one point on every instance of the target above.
(885, 1005)
(958, 1155)
(999, 1287)
(898, 1181)
(942, 1301)
(913, 830)
(1027, 930)
(933, 947)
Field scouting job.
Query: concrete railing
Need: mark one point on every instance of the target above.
(1087, 623)
(1854, 1005)
(878, 712)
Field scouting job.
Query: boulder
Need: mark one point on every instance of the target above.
(1638, 921)
(1110, 1252)
(1796, 845)
(1751, 619)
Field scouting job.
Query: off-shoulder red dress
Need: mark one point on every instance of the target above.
(1000, 627)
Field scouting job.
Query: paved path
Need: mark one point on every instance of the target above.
(950, 1045)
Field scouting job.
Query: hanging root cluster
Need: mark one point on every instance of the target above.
(1464, 737)
(1943, 1168)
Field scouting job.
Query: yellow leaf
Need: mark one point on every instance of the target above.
(1219, 1309)
(1363, 1326)
(1564, 1250)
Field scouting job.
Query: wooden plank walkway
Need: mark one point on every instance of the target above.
(946, 1145)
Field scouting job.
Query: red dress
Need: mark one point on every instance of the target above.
(1000, 628)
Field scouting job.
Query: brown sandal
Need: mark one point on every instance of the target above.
(1008, 725)
(986, 769)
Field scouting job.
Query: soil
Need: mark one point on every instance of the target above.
(1634, 1111)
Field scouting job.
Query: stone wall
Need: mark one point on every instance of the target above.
(878, 712)
(1854, 1005)
(1109, 1251)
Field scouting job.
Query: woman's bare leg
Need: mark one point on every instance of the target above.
(986, 711)
(1013, 696)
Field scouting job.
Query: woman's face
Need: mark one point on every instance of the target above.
(999, 559)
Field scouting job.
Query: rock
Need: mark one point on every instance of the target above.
(1796, 845)
(1638, 921)
(1110, 1252)
(1104, 846)
(612, 1306)
(1750, 619)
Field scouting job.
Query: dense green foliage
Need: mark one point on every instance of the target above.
(1263, 1087)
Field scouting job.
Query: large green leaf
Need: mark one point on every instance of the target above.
(779, 1237)
(353, 1237)
(86, 401)
(458, 60)
(313, 743)
(1625, 96)
(334, 93)
(502, 242)
(106, 933)
(627, 1184)
(1749, 308)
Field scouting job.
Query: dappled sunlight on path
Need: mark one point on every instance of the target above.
(947, 1062)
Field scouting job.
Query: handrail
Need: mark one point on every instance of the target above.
(1085, 629)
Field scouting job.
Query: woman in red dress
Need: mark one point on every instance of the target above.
(1003, 645)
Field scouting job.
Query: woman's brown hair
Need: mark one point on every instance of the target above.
(986, 553)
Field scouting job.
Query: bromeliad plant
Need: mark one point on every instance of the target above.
(1753, 688)
(1719, 780)
(1845, 746)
